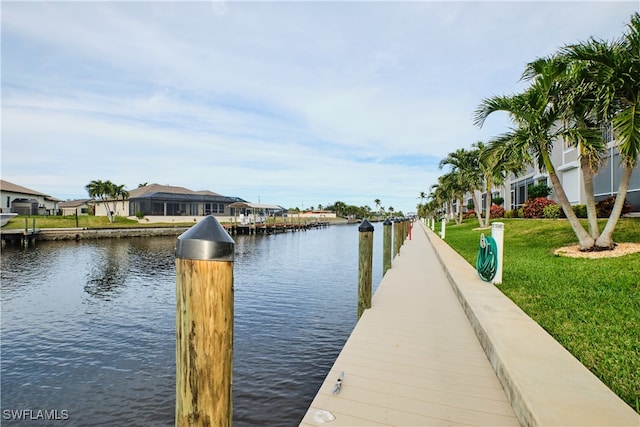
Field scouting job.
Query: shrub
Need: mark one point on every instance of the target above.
(538, 190)
(604, 207)
(139, 215)
(580, 210)
(552, 211)
(496, 212)
(520, 213)
(510, 214)
(534, 208)
(470, 206)
(498, 200)
(470, 214)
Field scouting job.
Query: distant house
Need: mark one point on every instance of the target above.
(318, 213)
(76, 207)
(155, 200)
(25, 201)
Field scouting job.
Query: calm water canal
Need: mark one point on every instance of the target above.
(88, 328)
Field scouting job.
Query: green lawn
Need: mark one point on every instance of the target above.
(590, 306)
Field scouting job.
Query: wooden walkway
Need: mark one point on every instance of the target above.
(413, 359)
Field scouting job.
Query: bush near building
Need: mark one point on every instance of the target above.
(604, 207)
(534, 208)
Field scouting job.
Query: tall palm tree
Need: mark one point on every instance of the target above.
(535, 118)
(107, 191)
(120, 193)
(455, 187)
(614, 70)
(377, 202)
(465, 162)
(102, 190)
(499, 160)
(579, 121)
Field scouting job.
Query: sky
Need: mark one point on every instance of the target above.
(298, 104)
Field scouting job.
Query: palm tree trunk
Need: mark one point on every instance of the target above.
(585, 240)
(487, 215)
(592, 215)
(478, 207)
(459, 221)
(605, 241)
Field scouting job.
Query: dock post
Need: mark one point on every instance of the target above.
(386, 247)
(497, 232)
(204, 325)
(365, 265)
(397, 240)
(405, 228)
(443, 228)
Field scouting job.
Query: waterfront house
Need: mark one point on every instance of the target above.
(24, 201)
(76, 207)
(155, 202)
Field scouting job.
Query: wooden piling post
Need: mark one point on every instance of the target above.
(386, 246)
(204, 325)
(365, 266)
(397, 240)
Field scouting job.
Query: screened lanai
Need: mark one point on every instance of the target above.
(180, 203)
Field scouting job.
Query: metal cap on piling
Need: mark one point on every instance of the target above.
(365, 226)
(207, 240)
(387, 222)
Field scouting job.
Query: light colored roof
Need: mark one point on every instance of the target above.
(247, 205)
(15, 188)
(74, 203)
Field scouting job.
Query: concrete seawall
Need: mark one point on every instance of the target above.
(48, 234)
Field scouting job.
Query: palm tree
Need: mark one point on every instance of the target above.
(497, 161)
(120, 192)
(465, 162)
(377, 202)
(101, 190)
(580, 125)
(106, 191)
(613, 68)
(453, 183)
(422, 196)
(535, 117)
(339, 207)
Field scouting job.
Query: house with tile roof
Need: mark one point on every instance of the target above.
(15, 198)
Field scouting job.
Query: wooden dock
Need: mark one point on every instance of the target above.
(441, 347)
(413, 358)
(24, 238)
(272, 228)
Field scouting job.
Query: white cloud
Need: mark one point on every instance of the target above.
(320, 101)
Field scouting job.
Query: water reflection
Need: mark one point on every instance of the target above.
(108, 272)
(89, 326)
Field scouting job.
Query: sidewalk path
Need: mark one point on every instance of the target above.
(413, 359)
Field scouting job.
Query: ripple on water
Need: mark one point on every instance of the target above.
(90, 326)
